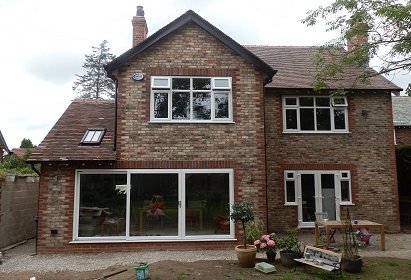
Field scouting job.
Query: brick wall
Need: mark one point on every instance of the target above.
(367, 151)
(403, 135)
(18, 208)
(239, 145)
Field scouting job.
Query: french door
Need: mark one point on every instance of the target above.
(317, 191)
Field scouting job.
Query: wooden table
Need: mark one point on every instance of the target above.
(143, 211)
(338, 224)
(109, 222)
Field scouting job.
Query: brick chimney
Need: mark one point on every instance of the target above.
(358, 37)
(140, 29)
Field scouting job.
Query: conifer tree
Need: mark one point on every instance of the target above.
(95, 83)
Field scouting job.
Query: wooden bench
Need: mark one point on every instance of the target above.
(320, 258)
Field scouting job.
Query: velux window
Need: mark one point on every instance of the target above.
(191, 99)
(315, 114)
(93, 136)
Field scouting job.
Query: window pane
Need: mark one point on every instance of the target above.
(306, 101)
(102, 205)
(221, 105)
(322, 101)
(291, 121)
(159, 82)
(89, 136)
(181, 106)
(291, 101)
(339, 119)
(154, 205)
(339, 101)
(207, 200)
(222, 83)
(160, 105)
(345, 191)
(202, 106)
(201, 84)
(96, 135)
(181, 83)
(307, 119)
(323, 119)
(290, 188)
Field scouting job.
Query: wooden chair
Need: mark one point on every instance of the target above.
(191, 216)
(320, 216)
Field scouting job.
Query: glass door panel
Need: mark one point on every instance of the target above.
(308, 203)
(207, 196)
(328, 195)
(154, 205)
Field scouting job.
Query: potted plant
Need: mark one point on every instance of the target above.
(289, 247)
(268, 244)
(351, 261)
(254, 230)
(243, 212)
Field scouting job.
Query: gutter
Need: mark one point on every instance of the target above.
(115, 112)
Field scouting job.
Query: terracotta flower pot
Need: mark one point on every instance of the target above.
(246, 257)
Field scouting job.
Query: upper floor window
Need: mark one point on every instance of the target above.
(191, 99)
(315, 114)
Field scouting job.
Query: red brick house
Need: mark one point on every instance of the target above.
(199, 122)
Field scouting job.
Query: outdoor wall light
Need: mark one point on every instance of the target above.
(364, 113)
(54, 231)
(250, 178)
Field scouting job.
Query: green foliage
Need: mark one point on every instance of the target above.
(27, 144)
(385, 23)
(95, 83)
(242, 212)
(254, 229)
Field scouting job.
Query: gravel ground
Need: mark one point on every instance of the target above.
(23, 258)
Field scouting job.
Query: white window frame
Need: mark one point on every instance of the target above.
(213, 90)
(181, 196)
(334, 106)
(340, 176)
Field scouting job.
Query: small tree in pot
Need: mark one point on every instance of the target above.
(351, 262)
(243, 212)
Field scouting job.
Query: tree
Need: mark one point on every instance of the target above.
(95, 83)
(385, 23)
(27, 144)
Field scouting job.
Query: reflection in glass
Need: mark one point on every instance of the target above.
(102, 210)
(154, 205)
(161, 105)
(221, 105)
(202, 105)
(339, 119)
(181, 106)
(207, 200)
(181, 83)
(291, 121)
(201, 84)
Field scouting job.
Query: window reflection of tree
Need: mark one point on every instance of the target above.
(161, 105)
(221, 105)
(202, 106)
(181, 105)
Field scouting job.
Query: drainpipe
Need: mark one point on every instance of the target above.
(115, 113)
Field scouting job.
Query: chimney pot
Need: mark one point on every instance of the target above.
(140, 29)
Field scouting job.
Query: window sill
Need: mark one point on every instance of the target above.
(123, 240)
(190, 122)
(316, 132)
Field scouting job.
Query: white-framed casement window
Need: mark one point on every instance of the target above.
(191, 99)
(317, 191)
(315, 114)
(152, 204)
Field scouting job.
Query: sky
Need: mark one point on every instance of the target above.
(44, 43)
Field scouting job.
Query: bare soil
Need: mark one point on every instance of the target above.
(374, 268)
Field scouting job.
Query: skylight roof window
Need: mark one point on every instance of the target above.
(93, 136)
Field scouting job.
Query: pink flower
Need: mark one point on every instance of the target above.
(270, 243)
(263, 245)
(266, 237)
(257, 242)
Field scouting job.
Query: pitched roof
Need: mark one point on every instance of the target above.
(62, 142)
(296, 69)
(185, 18)
(401, 110)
